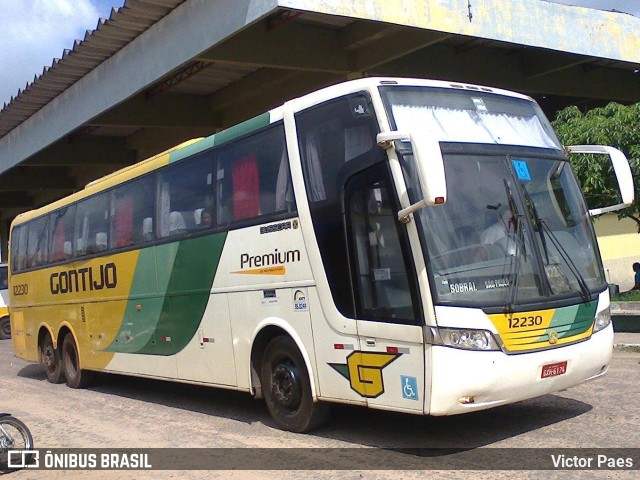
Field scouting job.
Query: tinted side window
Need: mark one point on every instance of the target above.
(252, 178)
(62, 226)
(184, 191)
(92, 225)
(132, 211)
(336, 140)
(19, 248)
(38, 242)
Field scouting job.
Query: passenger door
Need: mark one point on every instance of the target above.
(389, 369)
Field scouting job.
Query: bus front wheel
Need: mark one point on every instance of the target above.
(76, 377)
(50, 358)
(287, 389)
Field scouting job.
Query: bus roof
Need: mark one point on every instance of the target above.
(194, 146)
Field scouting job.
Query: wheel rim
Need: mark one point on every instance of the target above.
(6, 328)
(286, 385)
(49, 357)
(13, 438)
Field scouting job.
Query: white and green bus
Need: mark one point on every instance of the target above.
(407, 245)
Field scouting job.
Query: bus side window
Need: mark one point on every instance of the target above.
(62, 223)
(19, 248)
(246, 187)
(336, 140)
(253, 177)
(37, 243)
(132, 210)
(183, 188)
(92, 224)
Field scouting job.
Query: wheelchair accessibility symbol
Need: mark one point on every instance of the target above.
(409, 387)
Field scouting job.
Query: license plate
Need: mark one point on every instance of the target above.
(553, 369)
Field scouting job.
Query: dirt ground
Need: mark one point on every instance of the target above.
(127, 412)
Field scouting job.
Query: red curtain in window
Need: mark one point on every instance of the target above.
(58, 242)
(246, 187)
(123, 222)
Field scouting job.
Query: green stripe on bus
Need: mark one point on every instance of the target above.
(573, 320)
(187, 294)
(168, 296)
(219, 138)
(146, 298)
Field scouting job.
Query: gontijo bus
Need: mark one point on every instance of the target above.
(406, 245)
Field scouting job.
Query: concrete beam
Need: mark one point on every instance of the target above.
(537, 63)
(37, 178)
(167, 110)
(360, 47)
(535, 23)
(90, 150)
(150, 141)
(448, 63)
(290, 46)
(16, 200)
(242, 99)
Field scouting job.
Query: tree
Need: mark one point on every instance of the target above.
(615, 125)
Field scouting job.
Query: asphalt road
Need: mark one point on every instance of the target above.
(127, 412)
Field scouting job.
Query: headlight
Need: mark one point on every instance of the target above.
(603, 319)
(465, 339)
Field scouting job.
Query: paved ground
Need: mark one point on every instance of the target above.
(621, 339)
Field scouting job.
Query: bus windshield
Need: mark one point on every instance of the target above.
(515, 229)
(469, 116)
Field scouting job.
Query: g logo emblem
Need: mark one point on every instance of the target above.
(553, 337)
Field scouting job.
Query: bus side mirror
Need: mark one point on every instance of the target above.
(621, 169)
(429, 168)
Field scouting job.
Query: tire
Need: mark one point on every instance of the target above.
(5, 328)
(19, 438)
(287, 390)
(76, 377)
(50, 358)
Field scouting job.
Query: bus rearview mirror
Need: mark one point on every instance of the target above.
(429, 168)
(621, 169)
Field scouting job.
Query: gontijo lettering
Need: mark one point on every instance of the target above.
(84, 279)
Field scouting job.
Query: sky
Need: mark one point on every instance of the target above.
(34, 32)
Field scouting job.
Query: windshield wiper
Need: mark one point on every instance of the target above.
(519, 242)
(542, 227)
(584, 289)
(537, 222)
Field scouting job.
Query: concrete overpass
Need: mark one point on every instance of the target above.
(158, 72)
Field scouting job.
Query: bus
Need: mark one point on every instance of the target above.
(5, 325)
(400, 244)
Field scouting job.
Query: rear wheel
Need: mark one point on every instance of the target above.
(76, 377)
(50, 358)
(287, 389)
(5, 328)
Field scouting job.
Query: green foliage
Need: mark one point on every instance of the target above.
(615, 125)
(630, 296)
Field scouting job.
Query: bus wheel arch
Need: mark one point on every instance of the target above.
(286, 382)
(76, 376)
(49, 356)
